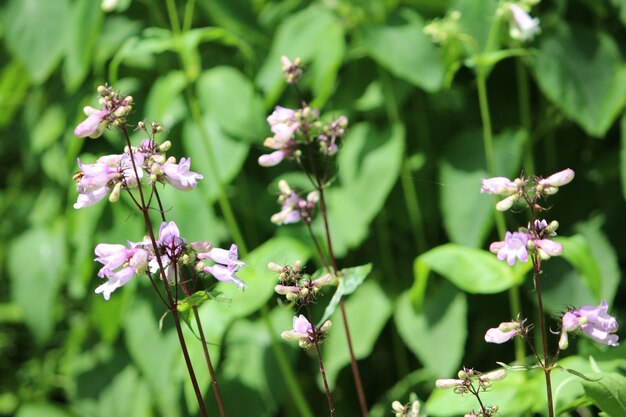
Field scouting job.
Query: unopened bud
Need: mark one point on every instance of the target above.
(115, 193)
(497, 375)
(284, 187)
(297, 266)
(449, 383)
(291, 296)
(165, 146)
(274, 267)
(507, 326)
(507, 203)
(462, 374)
(563, 340)
(121, 111)
(552, 226)
(128, 100)
(397, 406)
(326, 326)
(304, 292)
(141, 126)
(102, 90)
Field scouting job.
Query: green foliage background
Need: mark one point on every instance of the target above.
(406, 198)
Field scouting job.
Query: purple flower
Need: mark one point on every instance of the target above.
(120, 264)
(551, 184)
(283, 123)
(594, 322)
(179, 176)
(503, 333)
(499, 186)
(228, 264)
(301, 329)
(293, 207)
(95, 123)
(513, 247)
(170, 240)
(548, 248)
(272, 159)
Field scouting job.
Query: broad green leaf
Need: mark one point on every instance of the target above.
(609, 393)
(583, 73)
(165, 103)
(85, 23)
(229, 97)
(154, 354)
(125, 395)
(48, 129)
(14, 82)
(472, 270)
(217, 150)
(115, 31)
(407, 52)
(349, 280)
(577, 252)
(41, 410)
(368, 311)
(468, 214)
(315, 35)
(477, 19)
(442, 321)
(370, 163)
(33, 34)
(36, 266)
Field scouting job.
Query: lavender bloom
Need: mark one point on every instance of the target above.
(594, 322)
(301, 329)
(523, 26)
(284, 123)
(547, 248)
(503, 333)
(170, 240)
(499, 186)
(95, 123)
(512, 248)
(551, 184)
(228, 264)
(178, 175)
(294, 208)
(120, 264)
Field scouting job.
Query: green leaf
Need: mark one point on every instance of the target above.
(576, 251)
(467, 214)
(48, 129)
(349, 280)
(229, 97)
(36, 265)
(442, 321)
(407, 52)
(368, 311)
(472, 270)
(609, 394)
(583, 73)
(477, 19)
(14, 83)
(315, 35)
(41, 410)
(370, 163)
(125, 395)
(33, 34)
(165, 102)
(82, 35)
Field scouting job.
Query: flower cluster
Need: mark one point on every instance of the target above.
(292, 71)
(121, 263)
(472, 382)
(293, 207)
(534, 239)
(593, 321)
(412, 409)
(294, 285)
(112, 173)
(113, 111)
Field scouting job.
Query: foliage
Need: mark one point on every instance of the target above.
(405, 199)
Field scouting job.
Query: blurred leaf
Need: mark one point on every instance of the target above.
(229, 97)
(368, 311)
(41, 410)
(442, 321)
(14, 83)
(154, 353)
(467, 214)
(399, 390)
(141, 51)
(126, 395)
(583, 73)
(609, 394)
(476, 21)
(115, 31)
(36, 266)
(48, 129)
(82, 35)
(472, 270)
(32, 34)
(407, 52)
(227, 153)
(576, 251)
(604, 256)
(370, 163)
(317, 37)
(165, 102)
(349, 280)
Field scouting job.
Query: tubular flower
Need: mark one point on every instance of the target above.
(227, 265)
(499, 186)
(178, 175)
(595, 322)
(523, 26)
(513, 247)
(113, 111)
(551, 184)
(120, 265)
(503, 333)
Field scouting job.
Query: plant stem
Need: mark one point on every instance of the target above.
(172, 302)
(321, 362)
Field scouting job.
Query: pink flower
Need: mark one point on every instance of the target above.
(120, 264)
(294, 208)
(272, 159)
(301, 329)
(548, 248)
(594, 322)
(179, 176)
(512, 248)
(224, 274)
(283, 123)
(503, 333)
(228, 264)
(95, 123)
(551, 184)
(499, 186)
(170, 240)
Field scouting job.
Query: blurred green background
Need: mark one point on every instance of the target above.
(408, 181)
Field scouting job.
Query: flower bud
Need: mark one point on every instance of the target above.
(284, 187)
(563, 340)
(449, 383)
(102, 90)
(304, 292)
(291, 297)
(115, 193)
(274, 267)
(397, 406)
(497, 375)
(165, 146)
(551, 228)
(326, 326)
(507, 203)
